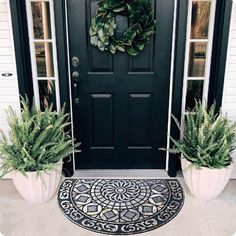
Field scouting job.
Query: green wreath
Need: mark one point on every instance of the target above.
(141, 20)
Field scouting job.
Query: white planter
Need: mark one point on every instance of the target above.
(38, 190)
(205, 183)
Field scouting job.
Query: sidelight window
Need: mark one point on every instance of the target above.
(42, 42)
(198, 52)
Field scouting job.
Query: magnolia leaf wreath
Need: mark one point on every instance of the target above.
(141, 26)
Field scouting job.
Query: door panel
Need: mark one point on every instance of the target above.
(102, 125)
(122, 115)
(140, 129)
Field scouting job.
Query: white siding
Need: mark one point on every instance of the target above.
(9, 93)
(229, 95)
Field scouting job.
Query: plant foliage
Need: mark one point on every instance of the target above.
(142, 26)
(208, 138)
(37, 140)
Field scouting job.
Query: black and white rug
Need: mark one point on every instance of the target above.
(120, 206)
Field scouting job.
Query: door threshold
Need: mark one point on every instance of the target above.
(125, 173)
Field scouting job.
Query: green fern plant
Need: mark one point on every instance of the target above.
(37, 140)
(208, 138)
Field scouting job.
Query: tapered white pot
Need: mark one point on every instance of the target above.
(205, 183)
(38, 190)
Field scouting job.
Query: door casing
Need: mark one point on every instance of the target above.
(171, 72)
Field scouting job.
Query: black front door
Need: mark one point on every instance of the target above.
(121, 113)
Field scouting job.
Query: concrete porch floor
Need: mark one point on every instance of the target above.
(19, 218)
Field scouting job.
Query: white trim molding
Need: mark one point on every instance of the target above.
(171, 83)
(69, 82)
(170, 86)
(133, 174)
(53, 57)
(209, 42)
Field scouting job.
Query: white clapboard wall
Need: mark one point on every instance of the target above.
(9, 93)
(229, 95)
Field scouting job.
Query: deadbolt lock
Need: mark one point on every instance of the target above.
(75, 61)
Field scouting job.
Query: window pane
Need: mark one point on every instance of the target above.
(194, 91)
(200, 19)
(44, 59)
(197, 59)
(41, 20)
(47, 94)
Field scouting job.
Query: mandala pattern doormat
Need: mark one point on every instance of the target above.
(120, 206)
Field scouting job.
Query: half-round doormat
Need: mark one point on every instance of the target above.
(120, 206)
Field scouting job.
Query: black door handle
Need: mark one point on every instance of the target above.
(76, 99)
(75, 78)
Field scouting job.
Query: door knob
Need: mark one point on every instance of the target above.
(75, 76)
(75, 61)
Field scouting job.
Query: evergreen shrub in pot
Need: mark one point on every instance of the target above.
(38, 141)
(206, 148)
